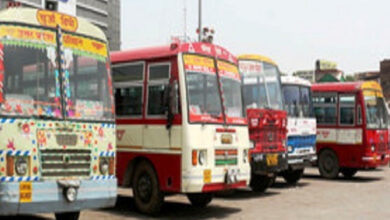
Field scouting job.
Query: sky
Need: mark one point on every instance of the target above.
(353, 33)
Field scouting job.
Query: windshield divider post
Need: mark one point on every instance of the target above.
(220, 90)
(61, 69)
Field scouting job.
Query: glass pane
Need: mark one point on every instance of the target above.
(159, 72)
(128, 73)
(128, 101)
(325, 115)
(305, 101)
(347, 115)
(350, 100)
(156, 100)
(29, 85)
(291, 99)
(89, 92)
(232, 96)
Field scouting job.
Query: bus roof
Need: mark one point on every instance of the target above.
(39, 17)
(172, 50)
(345, 86)
(295, 80)
(256, 57)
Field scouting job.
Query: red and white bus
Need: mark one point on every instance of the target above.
(181, 126)
(352, 130)
(266, 117)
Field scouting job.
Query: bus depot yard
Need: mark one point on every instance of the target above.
(363, 197)
(79, 124)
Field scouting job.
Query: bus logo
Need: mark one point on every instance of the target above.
(52, 19)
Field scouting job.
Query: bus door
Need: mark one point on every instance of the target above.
(156, 135)
(348, 133)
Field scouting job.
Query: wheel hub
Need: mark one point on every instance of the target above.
(144, 188)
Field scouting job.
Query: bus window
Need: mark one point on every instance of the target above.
(129, 81)
(158, 81)
(347, 109)
(325, 108)
(291, 100)
(305, 101)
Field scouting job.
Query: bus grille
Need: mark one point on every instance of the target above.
(381, 147)
(65, 163)
(225, 157)
(269, 137)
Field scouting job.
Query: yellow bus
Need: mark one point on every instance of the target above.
(57, 127)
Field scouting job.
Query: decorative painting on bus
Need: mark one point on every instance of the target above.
(227, 69)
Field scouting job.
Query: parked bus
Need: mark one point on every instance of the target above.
(301, 127)
(57, 130)
(266, 118)
(352, 130)
(181, 126)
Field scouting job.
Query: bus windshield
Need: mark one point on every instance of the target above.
(28, 74)
(204, 100)
(231, 87)
(376, 114)
(297, 100)
(88, 94)
(261, 85)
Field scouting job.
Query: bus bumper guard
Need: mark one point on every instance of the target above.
(48, 196)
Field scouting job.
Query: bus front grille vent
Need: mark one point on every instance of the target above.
(65, 163)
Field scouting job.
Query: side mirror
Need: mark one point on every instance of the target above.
(171, 102)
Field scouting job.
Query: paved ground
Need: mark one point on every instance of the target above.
(367, 196)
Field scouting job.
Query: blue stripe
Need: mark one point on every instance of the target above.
(3, 120)
(12, 120)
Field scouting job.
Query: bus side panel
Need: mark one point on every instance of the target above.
(166, 165)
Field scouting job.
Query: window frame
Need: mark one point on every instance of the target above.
(359, 111)
(156, 83)
(335, 105)
(340, 105)
(123, 85)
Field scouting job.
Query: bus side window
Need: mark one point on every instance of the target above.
(325, 108)
(359, 115)
(128, 83)
(347, 109)
(158, 81)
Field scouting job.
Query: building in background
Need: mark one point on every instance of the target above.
(103, 13)
(368, 75)
(384, 77)
(326, 71)
(305, 74)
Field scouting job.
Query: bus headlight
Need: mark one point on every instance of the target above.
(252, 144)
(202, 157)
(290, 149)
(245, 156)
(21, 166)
(103, 166)
(70, 194)
(372, 148)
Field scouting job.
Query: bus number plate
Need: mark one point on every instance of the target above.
(272, 159)
(25, 192)
(207, 176)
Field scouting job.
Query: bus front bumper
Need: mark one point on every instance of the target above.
(376, 160)
(267, 164)
(48, 197)
(301, 161)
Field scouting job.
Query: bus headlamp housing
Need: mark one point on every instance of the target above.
(21, 166)
(245, 156)
(372, 148)
(202, 157)
(104, 166)
(290, 149)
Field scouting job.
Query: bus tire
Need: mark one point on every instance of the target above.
(148, 197)
(328, 164)
(292, 176)
(200, 200)
(348, 172)
(67, 216)
(259, 183)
